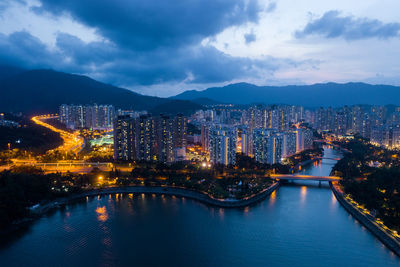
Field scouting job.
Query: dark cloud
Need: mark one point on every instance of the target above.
(146, 42)
(110, 63)
(250, 37)
(23, 49)
(332, 25)
(195, 64)
(149, 24)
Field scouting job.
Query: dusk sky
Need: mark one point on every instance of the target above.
(162, 48)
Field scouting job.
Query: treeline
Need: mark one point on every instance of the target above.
(376, 188)
(305, 155)
(220, 181)
(22, 188)
(379, 192)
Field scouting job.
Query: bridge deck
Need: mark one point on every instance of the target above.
(304, 177)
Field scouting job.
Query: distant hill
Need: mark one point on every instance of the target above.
(39, 91)
(328, 94)
(204, 101)
(7, 71)
(185, 107)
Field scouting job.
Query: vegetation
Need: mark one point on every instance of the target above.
(24, 187)
(218, 181)
(375, 187)
(26, 140)
(304, 156)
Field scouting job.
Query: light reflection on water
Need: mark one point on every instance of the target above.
(303, 193)
(300, 224)
(272, 198)
(102, 215)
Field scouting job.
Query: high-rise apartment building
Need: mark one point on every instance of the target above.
(267, 146)
(223, 145)
(87, 116)
(205, 137)
(180, 131)
(148, 138)
(124, 143)
(145, 138)
(164, 139)
(289, 144)
(304, 139)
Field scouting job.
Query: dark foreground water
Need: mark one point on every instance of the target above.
(301, 224)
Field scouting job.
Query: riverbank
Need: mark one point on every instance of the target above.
(386, 238)
(175, 191)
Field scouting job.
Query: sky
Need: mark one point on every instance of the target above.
(163, 48)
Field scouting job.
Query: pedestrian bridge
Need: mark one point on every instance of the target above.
(301, 177)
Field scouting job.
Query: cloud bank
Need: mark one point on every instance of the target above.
(144, 42)
(333, 25)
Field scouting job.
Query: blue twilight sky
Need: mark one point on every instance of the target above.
(162, 48)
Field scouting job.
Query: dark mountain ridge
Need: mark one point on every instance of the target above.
(323, 94)
(39, 91)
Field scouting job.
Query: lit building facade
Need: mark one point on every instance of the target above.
(87, 116)
(124, 143)
(267, 145)
(222, 145)
(148, 138)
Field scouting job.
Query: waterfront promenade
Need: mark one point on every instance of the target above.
(385, 236)
(175, 191)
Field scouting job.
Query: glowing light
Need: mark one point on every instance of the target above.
(303, 193)
(102, 215)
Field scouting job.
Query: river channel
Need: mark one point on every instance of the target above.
(300, 224)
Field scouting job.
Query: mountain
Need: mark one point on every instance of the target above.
(7, 71)
(185, 107)
(205, 101)
(39, 91)
(327, 94)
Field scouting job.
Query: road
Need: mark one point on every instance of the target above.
(73, 143)
(304, 177)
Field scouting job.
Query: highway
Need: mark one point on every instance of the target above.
(73, 143)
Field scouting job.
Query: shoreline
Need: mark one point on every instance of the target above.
(161, 190)
(204, 198)
(384, 237)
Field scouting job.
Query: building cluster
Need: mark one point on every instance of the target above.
(279, 117)
(87, 116)
(380, 124)
(150, 138)
(269, 133)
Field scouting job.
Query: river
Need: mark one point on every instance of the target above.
(300, 224)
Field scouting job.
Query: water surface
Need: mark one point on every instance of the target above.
(301, 224)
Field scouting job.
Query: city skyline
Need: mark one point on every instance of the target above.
(199, 133)
(262, 42)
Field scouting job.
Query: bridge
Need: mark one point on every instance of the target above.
(328, 158)
(64, 166)
(34, 163)
(301, 177)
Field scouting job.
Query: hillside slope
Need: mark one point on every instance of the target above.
(45, 90)
(328, 94)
